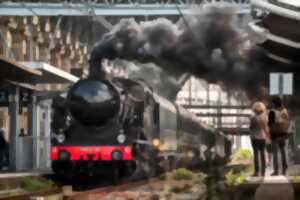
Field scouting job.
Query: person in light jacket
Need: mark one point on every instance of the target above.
(259, 136)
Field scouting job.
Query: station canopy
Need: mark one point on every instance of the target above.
(33, 73)
(26, 75)
(16, 72)
(50, 74)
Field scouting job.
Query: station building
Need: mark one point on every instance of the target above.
(35, 65)
(26, 112)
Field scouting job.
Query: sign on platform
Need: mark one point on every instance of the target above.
(281, 83)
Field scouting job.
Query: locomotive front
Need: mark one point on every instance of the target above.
(93, 102)
(87, 129)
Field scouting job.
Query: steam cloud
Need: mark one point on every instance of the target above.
(207, 45)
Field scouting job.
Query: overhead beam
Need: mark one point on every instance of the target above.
(234, 124)
(222, 115)
(265, 33)
(237, 107)
(31, 87)
(291, 12)
(235, 131)
(105, 23)
(73, 9)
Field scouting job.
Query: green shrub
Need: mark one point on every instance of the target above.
(240, 178)
(233, 179)
(230, 178)
(242, 154)
(183, 174)
(35, 184)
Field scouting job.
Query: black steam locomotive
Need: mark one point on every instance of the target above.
(120, 126)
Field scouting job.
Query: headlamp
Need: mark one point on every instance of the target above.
(156, 142)
(121, 138)
(60, 138)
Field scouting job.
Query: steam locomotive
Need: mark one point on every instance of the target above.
(120, 127)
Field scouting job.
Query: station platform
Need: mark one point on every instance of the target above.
(8, 175)
(271, 187)
(13, 185)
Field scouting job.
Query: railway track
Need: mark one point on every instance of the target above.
(66, 192)
(103, 191)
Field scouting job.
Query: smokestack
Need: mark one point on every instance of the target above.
(102, 50)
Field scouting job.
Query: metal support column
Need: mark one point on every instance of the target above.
(208, 94)
(190, 91)
(14, 150)
(45, 137)
(219, 110)
(32, 129)
(30, 39)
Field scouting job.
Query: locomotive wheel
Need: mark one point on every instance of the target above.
(141, 170)
(130, 168)
(148, 162)
(145, 159)
(153, 162)
(171, 163)
(135, 171)
(150, 168)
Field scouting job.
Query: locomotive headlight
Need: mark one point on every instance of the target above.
(121, 138)
(60, 138)
(156, 142)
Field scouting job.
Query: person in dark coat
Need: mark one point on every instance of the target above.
(279, 123)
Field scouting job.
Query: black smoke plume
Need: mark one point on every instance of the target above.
(206, 44)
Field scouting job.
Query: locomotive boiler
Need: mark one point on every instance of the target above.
(120, 127)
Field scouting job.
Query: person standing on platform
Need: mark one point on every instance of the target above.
(3, 149)
(259, 136)
(279, 123)
(22, 132)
